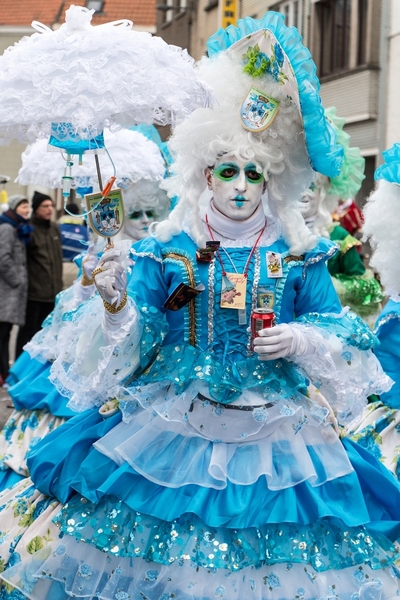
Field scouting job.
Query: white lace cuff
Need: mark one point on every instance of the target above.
(345, 374)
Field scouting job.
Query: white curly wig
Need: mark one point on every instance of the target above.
(326, 204)
(381, 227)
(207, 134)
(146, 194)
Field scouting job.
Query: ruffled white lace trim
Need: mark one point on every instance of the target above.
(209, 446)
(85, 572)
(91, 77)
(90, 364)
(43, 345)
(345, 375)
(271, 234)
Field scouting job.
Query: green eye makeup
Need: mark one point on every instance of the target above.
(227, 171)
(138, 214)
(252, 175)
(230, 172)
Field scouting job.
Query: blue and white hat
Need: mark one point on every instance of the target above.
(268, 48)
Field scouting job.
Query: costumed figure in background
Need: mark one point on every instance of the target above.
(144, 203)
(355, 285)
(349, 216)
(378, 428)
(225, 478)
(39, 406)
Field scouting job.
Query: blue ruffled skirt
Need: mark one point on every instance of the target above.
(34, 391)
(22, 367)
(39, 409)
(124, 535)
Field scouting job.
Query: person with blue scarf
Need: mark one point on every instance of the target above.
(15, 233)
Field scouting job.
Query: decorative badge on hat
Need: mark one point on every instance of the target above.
(263, 55)
(258, 110)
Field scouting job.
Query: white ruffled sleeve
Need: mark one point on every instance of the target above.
(99, 353)
(42, 346)
(342, 366)
(92, 358)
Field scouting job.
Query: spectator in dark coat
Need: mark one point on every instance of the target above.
(15, 232)
(44, 268)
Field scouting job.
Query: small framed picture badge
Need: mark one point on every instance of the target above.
(106, 215)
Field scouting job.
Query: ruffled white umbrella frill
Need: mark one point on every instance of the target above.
(135, 157)
(93, 77)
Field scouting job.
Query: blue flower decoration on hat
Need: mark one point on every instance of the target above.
(326, 156)
(390, 170)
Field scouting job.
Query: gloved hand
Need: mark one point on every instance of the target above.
(110, 277)
(282, 341)
(90, 261)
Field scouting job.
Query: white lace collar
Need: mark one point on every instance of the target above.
(272, 233)
(243, 234)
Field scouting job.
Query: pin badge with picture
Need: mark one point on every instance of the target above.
(258, 110)
(106, 214)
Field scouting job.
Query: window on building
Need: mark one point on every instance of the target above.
(182, 5)
(293, 11)
(334, 27)
(362, 32)
(169, 13)
(96, 5)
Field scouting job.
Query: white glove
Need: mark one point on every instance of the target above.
(282, 341)
(111, 281)
(90, 261)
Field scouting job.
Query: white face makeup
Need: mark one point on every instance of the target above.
(237, 186)
(137, 223)
(308, 205)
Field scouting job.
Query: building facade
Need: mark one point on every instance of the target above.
(355, 44)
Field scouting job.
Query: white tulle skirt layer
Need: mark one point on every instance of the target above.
(208, 445)
(68, 568)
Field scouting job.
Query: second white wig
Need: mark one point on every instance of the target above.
(326, 204)
(381, 228)
(207, 134)
(146, 194)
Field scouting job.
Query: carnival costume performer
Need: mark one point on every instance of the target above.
(39, 405)
(378, 428)
(355, 285)
(225, 478)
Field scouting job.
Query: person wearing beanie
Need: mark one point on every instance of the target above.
(15, 232)
(38, 198)
(44, 261)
